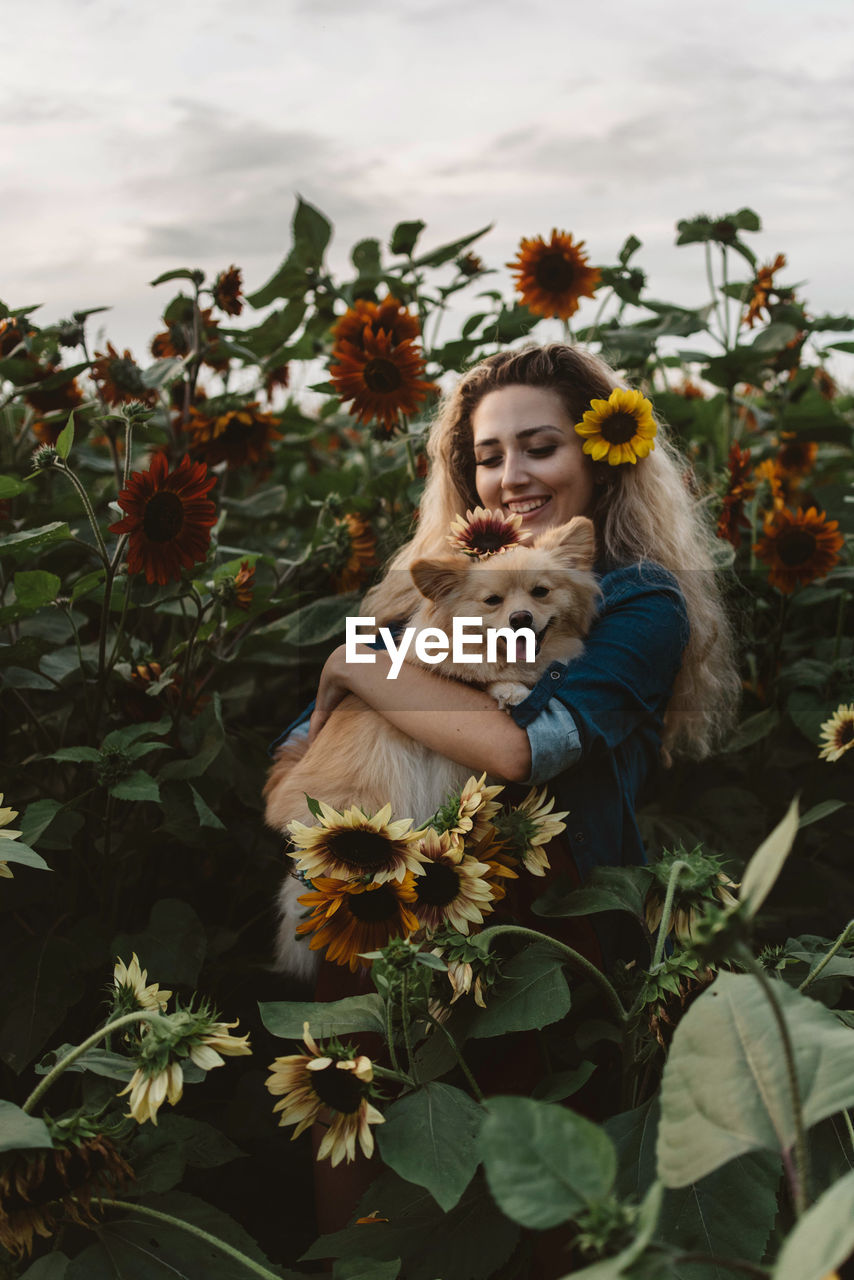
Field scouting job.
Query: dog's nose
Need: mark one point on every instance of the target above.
(521, 619)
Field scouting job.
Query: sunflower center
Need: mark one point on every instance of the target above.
(363, 850)
(554, 272)
(619, 428)
(374, 906)
(340, 1090)
(439, 885)
(796, 547)
(845, 734)
(164, 516)
(489, 539)
(382, 375)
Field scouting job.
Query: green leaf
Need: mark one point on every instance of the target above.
(18, 851)
(314, 624)
(138, 786)
(405, 237)
(725, 1089)
(544, 1163)
(52, 1266)
(100, 1061)
(160, 1156)
(774, 337)
(754, 729)
(607, 889)
(312, 229)
(181, 273)
(764, 867)
(21, 1132)
(33, 590)
(31, 542)
(77, 755)
(629, 249)
(823, 1238)
(285, 1018)
(10, 487)
(563, 1084)
(173, 945)
(448, 251)
(365, 257)
(822, 810)
(531, 993)
(429, 1137)
(125, 737)
(210, 741)
(618, 1266)
(365, 1269)
(65, 439)
(207, 817)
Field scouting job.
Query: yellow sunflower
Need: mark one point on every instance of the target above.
(837, 733)
(148, 1091)
(7, 815)
(469, 812)
(351, 917)
(383, 379)
(552, 276)
(206, 1050)
(537, 825)
(129, 981)
(314, 1086)
(350, 845)
(461, 976)
(483, 532)
(454, 888)
(619, 429)
(799, 546)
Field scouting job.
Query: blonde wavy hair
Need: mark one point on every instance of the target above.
(646, 512)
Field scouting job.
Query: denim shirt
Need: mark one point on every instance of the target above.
(595, 725)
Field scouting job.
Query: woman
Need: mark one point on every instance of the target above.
(657, 674)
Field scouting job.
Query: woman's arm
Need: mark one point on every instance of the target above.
(455, 719)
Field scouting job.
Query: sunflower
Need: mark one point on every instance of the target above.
(383, 379)
(483, 532)
(227, 291)
(131, 991)
(236, 436)
(800, 546)
(56, 399)
(207, 1048)
(360, 552)
(351, 917)
(529, 826)
(350, 845)
(7, 815)
(453, 889)
(41, 1188)
(827, 387)
(470, 265)
(315, 1085)
(468, 813)
(119, 378)
(148, 1091)
(796, 457)
(390, 315)
(244, 585)
(701, 885)
(553, 276)
(837, 733)
(169, 517)
(619, 429)
(278, 375)
(740, 488)
(763, 287)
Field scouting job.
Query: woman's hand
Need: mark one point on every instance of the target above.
(332, 688)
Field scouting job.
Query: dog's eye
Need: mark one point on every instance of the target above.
(539, 592)
(493, 600)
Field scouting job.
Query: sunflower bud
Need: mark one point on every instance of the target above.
(46, 457)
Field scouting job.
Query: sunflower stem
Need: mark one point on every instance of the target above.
(407, 1032)
(87, 506)
(597, 319)
(410, 455)
(840, 625)
(572, 957)
(664, 924)
(826, 959)
(710, 276)
(797, 1169)
(201, 609)
(389, 1035)
(138, 1015)
(158, 1216)
(461, 1062)
(850, 1127)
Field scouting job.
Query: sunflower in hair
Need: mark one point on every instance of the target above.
(483, 532)
(353, 845)
(619, 429)
(350, 917)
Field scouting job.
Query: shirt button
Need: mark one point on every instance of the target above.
(555, 675)
(579, 837)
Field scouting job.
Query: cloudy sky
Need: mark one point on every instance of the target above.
(139, 137)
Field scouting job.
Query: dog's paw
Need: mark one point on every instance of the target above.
(508, 693)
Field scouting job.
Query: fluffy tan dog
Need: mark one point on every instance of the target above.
(360, 758)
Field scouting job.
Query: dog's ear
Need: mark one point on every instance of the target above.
(574, 543)
(435, 579)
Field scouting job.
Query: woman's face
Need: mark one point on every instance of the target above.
(528, 458)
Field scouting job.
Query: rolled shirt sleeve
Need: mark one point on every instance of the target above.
(555, 742)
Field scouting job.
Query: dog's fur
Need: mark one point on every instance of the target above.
(360, 758)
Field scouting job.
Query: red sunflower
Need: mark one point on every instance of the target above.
(552, 276)
(799, 546)
(383, 379)
(389, 315)
(740, 488)
(227, 291)
(119, 378)
(169, 518)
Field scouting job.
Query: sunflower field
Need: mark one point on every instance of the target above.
(182, 535)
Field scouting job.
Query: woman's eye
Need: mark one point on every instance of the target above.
(493, 600)
(539, 592)
(544, 451)
(492, 461)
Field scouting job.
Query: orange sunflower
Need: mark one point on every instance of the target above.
(227, 291)
(796, 457)
(763, 286)
(169, 518)
(359, 553)
(552, 276)
(119, 378)
(482, 532)
(382, 378)
(390, 315)
(799, 546)
(349, 917)
(237, 436)
(740, 488)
